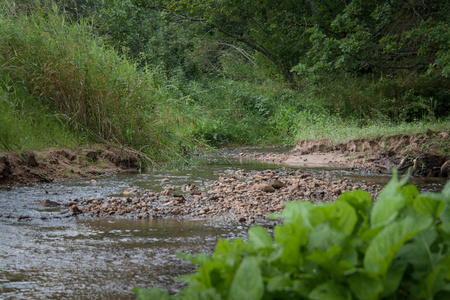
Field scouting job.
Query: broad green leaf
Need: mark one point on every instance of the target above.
(389, 202)
(385, 245)
(446, 192)
(259, 238)
(322, 238)
(364, 286)
(360, 200)
(330, 291)
(434, 282)
(331, 262)
(295, 212)
(445, 213)
(340, 215)
(393, 278)
(326, 260)
(291, 239)
(428, 206)
(303, 287)
(279, 283)
(248, 281)
(418, 254)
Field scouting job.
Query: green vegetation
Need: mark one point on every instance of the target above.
(62, 86)
(397, 248)
(168, 77)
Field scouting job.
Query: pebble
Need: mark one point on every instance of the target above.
(237, 196)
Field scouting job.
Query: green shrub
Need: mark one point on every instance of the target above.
(396, 248)
(63, 71)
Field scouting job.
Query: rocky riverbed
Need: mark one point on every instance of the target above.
(237, 196)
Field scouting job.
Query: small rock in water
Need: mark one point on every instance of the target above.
(75, 210)
(168, 191)
(22, 217)
(47, 202)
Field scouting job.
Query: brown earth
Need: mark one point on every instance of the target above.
(60, 164)
(424, 154)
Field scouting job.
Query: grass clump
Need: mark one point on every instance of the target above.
(29, 127)
(51, 69)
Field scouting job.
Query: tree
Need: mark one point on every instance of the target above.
(387, 36)
(275, 29)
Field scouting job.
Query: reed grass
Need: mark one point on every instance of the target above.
(64, 70)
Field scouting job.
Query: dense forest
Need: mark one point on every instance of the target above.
(179, 75)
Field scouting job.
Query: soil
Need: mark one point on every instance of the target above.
(421, 153)
(424, 154)
(61, 164)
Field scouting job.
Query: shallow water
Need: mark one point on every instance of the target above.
(49, 255)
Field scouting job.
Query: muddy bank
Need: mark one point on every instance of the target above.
(422, 154)
(60, 164)
(237, 197)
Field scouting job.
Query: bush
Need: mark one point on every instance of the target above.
(63, 71)
(397, 248)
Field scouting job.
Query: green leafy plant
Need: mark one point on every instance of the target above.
(396, 248)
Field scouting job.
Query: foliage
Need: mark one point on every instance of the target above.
(27, 126)
(397, 248)
(371, 36)
(61, 71)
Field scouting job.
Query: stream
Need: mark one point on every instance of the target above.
(45, 253)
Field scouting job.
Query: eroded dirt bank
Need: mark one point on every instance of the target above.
(422, 154)
(59, 164)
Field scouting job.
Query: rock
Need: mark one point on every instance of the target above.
(176, 211)
(22, 217)
(178, 198)
(445, 169)
(75, 209)
(48, 202)
(188, 187)
(265, 188)
(276, 184)
(168, 191)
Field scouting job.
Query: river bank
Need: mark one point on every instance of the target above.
(19, 169)
(425, 154)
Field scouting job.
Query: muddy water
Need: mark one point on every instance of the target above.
(46, 254)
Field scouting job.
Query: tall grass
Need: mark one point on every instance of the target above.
(60, 85)
(223, 111)
(63, 70)
(28, 127)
